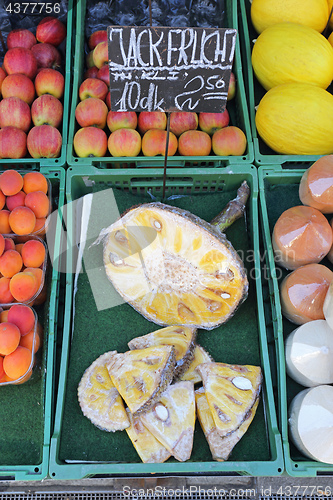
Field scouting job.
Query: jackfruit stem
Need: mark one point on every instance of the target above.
(234, 210)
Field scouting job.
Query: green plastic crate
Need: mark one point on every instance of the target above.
(237, 108)
(71, 426)
(61, 160)
(26, 410)
(263, 154)
(279, 191)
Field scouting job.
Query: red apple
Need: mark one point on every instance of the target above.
(154, 143)
(89, 142)
(47, 110)
(20, 60)
(124, 142)
(194, 143)
(180, 121)
(90, 59)
(21, 38)
(18, 85)
(151, 119)
(104, 74)
(91, 112)
(44, 142)
(50, 81)
(211, 122)
(108, 100)
(51, 30)
(13, 143)
(121, 119)
(96, 38)
(3, 75)
(15, 113)
(229, 141)
(232, 87)
(92, 87)
(91, 72)
(101, 54)
(47, 56)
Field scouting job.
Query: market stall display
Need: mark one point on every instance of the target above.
(299, 298)
(68, 457)
(132, 147)
(35, 83)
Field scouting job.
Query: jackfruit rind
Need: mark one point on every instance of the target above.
(99, 400)
(186, 273)
(231, 391)
(142, 375)
(220, 447)
(149, 449)
(172, 419)
(181, 337)
(200, 356)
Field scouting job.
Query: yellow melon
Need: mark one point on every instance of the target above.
(296, 119)
(330, 39)
(289, 52)
(330, 7)
(313, 13)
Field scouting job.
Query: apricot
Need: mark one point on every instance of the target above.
(37, 272)
(41, 297)
(9, 338)
(5, 293)
(4, 316)
(40, 226)
(9, 244)
(2, 200)
(11, 182)
(23, 286)
(39, 203)
(34, 181)
(16, 200)
(4, 222)
(2, 371)
(23, 317)
(31, 341)
(10, 263)
(33, 253)
(22, 220)
(2, 244)
(26, 377)
(17, 363)
(18, 248)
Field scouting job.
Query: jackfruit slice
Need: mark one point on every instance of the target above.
(173, 267)
(149, 449)
(231, 391)
(181, 337)
(220, 447)
(142, 375)
(172, 419)
(99, 400)
(200, 356)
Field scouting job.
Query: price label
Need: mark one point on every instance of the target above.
(170, 69)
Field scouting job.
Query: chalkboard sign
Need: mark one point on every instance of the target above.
(170, 69)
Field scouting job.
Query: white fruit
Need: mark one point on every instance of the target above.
(309, 354)
(311, 423)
